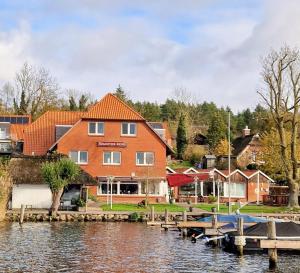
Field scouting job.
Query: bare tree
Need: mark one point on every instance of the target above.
(35, 90)
(7, 96)
(186, 101)
(281, 74)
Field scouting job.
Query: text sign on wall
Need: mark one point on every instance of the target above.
(111, 144)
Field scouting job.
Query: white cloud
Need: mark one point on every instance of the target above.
(218, 59)
(13, 50)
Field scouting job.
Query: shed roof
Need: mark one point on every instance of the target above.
(27, 170)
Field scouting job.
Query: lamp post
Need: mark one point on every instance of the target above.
(257, 188)
(107, 190)
(196, 188)
(229, 166)
(110, 180)
(218, 200)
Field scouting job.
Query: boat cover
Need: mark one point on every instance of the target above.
(283, 229)
(234, 218)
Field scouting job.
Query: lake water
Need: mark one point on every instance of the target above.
(118, 247)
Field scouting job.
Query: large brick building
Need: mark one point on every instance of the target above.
(110, 139)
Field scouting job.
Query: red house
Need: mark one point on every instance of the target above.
(109, 140)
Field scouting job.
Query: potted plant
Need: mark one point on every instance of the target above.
(80, 203)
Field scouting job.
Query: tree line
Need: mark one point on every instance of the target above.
(34, 91)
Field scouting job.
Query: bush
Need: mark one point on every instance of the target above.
(80, 202)
(133, 217)
(212, 199)
(194, 153)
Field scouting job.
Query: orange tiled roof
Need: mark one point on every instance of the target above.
(40, 134)
(111, 107)
(17, 131)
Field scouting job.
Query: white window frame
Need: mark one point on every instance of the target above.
(127, 183)
(128, 128)
(145, 156)
(96, 128)
(111, 154)
(78, 157)
(118, 183)
(232, 193)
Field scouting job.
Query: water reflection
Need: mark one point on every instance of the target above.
(117, 247)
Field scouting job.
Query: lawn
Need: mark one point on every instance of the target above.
(245, 209)
(180, 164)
(133, 207)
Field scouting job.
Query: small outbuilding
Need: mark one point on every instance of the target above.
(29, 188)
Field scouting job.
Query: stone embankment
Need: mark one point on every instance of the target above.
(74, 216)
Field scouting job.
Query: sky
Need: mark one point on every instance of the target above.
(211, 48)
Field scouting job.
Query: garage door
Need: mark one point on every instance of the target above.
(38, 196)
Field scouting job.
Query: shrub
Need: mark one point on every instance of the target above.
(133, 217)
(194, 153)
(212, 199)
(80, 202)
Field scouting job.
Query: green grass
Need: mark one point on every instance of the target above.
(133, 207)
(246, 209)
(180, 164)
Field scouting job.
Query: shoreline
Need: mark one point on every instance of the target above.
(123, 216)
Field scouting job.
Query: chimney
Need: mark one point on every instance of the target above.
(246, 131)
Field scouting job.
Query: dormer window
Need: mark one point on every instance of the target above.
(128, 129)
(96, 128)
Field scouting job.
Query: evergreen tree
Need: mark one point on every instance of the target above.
(83, 102)
(216, 130)
(169, 110)
(22, 108)
(121, 94)
(181, 139)
(72, 104)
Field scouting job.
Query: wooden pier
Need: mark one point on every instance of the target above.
(214, 230)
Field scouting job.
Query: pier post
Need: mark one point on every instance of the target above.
(214, 218)
(214, 223)
(152, 214)
(166, 219)
(166, 216)
(272, 251)
(184, 219)
(22, 214)
(240, 240)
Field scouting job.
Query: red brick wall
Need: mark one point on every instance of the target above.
(146, 140)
